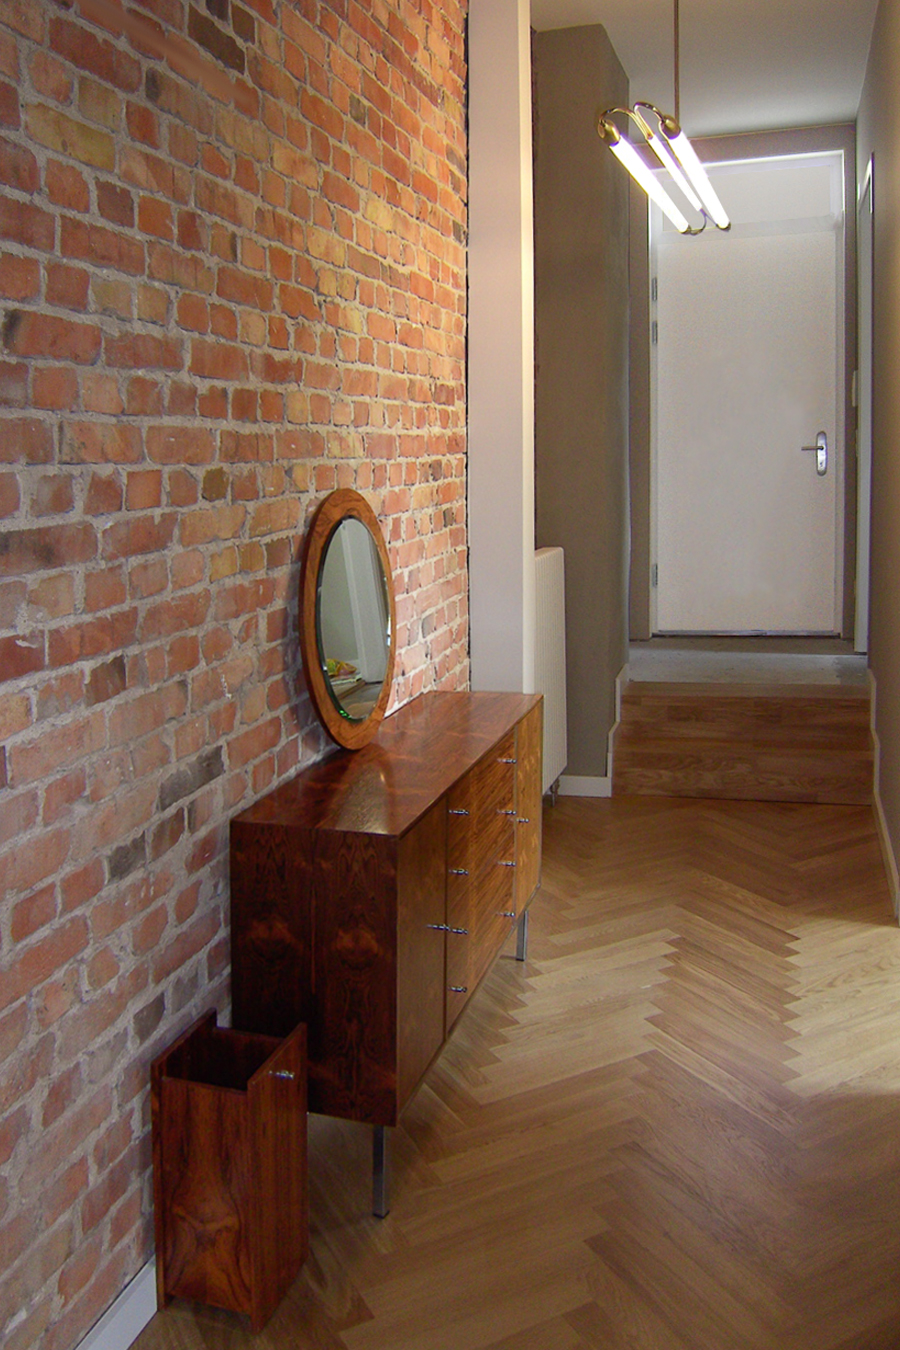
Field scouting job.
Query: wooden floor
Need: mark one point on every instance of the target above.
(677, 1127)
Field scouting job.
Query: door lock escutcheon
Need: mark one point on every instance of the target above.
(821, 452)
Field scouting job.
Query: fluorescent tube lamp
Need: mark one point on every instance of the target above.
(686, 155)
(674, 152)
(660, 148)
(644, 176)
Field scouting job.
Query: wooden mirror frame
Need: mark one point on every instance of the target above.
(349, 732)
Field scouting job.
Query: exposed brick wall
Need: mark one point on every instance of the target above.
(232, 278)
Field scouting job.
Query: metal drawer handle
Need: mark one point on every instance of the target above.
(445, 928)
(459, 989)
(508, 914)
(457, 811)
(505, 864)
(284, 1073)
(507, 761)
(523, 820)
(502, 812)
(459, 871)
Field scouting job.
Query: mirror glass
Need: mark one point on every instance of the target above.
(353, 619)
(347, 625)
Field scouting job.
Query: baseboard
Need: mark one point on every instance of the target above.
(570, 786)
(124, 1320)
(884, 835)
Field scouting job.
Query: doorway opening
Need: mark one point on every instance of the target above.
(748, 407)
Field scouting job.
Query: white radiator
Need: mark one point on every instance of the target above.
(550, 657)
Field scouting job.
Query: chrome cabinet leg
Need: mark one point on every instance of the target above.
(381, 1170)
(522, 936)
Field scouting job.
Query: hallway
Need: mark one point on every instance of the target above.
(676, 1128)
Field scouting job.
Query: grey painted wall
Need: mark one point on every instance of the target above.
(581, 381)
(878, 131)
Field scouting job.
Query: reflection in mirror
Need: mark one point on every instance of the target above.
(353, 619)
(347, 628)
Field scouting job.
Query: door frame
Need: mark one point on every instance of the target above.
(749, 145)
(865, 214)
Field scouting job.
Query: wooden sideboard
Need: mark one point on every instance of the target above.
(370, 894)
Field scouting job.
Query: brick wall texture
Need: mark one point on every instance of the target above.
(232, 278)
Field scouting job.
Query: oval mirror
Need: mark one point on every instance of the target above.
(347, 618)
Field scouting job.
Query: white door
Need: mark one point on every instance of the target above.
(748, 371)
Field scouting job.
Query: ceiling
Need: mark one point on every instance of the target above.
(746, 65)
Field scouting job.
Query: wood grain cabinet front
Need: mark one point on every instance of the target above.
(370, 894)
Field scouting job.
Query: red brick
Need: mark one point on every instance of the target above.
(143, 534)
(142, 124)
(143, 351)
(19, 277)
(144, 397)
(67, 286)
(96, 244)
(155, 217)
(94, 637)
(36, 963)
(9, 494)
(180, 445)
(115, 204)
(218, 360)
(29, 333)
(50, 77)
(67, 187)
(100, 442)
(32, 913)
(61, 794)
(55, 1147)
(9, 105)
(21, 654)
(81, 1268)
(51, 546)
(62, 1093)
(82, 885)
(53, 495)
(13, 1026)
(13, 1129)
(18, 167)
(83, 49)
(104, 494)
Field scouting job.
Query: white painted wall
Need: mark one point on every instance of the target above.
(501, 347)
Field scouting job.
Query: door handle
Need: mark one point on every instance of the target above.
(821, 453)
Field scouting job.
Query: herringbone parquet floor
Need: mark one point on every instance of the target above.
(677, 1127)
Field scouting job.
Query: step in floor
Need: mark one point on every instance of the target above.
(766, 740)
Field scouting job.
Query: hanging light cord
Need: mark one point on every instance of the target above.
(672, 148)
(677, 66)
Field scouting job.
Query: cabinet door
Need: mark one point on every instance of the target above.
(529, 755)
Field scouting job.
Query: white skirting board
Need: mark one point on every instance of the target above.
(124, 1320)
(570, 785)
(887, 847)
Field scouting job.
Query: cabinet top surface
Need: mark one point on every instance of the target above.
(420, 751)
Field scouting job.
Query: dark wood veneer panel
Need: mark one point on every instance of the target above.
(229, 1167)
(353, 1037)
(271, 927)
(419, 753)
(529, 804)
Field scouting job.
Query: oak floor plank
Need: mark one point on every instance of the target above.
(675, 1127)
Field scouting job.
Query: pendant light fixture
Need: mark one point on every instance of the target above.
(664, 136)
